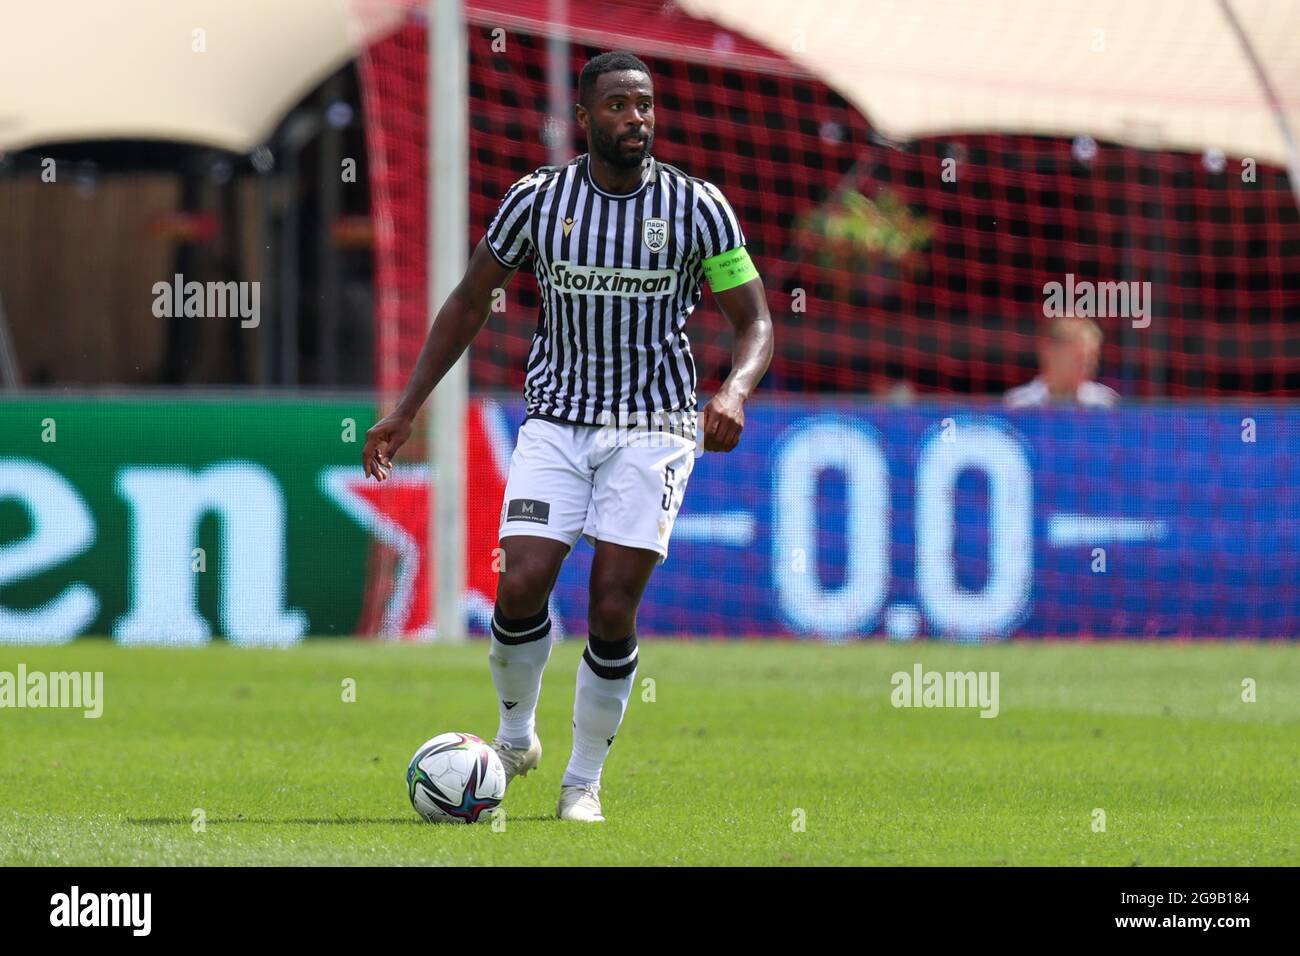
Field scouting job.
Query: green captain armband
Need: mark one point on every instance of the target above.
(729, 269)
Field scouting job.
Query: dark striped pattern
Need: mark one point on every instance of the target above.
(522, 631)
(611, 660)
(625, 347)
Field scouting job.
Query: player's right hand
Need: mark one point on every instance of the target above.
(382, 441)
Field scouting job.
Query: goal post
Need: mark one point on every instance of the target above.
(448, 185)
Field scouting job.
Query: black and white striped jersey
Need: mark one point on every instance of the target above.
(619, 275)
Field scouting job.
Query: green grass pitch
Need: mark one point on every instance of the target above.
(739, 738)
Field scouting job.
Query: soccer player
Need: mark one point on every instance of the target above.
(621, 244)
(1068, 353)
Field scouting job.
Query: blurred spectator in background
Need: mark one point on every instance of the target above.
(1068, 353)
(895, 391)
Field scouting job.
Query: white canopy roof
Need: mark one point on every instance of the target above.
(222, 72)
(1168, 74)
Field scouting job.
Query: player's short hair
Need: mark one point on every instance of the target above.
(610, 62)
(1069, 328)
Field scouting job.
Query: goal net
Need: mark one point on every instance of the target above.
(888, 279)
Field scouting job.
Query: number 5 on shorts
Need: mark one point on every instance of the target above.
(667, 500)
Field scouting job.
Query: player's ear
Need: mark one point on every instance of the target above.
(580, 112)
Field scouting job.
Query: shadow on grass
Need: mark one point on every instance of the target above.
(301, 821)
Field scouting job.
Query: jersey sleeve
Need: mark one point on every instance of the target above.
(717, 230)
(509, 237)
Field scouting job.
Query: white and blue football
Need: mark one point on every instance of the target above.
(455, 778)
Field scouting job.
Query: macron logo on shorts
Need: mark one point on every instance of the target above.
(528, 509)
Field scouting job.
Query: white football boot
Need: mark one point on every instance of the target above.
(581, 803)
(516, 762)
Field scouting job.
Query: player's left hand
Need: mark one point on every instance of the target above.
(722, 421)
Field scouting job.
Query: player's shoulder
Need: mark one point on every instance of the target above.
(1095, 393)
(1026, 396)
(540, 177)
(669, 171)
(703, 188)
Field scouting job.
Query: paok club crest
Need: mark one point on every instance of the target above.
(654, 233)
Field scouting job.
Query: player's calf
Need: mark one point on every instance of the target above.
(606, 674)
(520, 646)
(519, 650)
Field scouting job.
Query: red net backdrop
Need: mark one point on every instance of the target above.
(917, 266)
(882, 270)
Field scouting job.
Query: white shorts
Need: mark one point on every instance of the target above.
(571, 480)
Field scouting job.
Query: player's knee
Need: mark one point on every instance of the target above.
(612, 616)
(522, 589)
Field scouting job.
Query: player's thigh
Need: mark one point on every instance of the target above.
(638, 490)
(548, 489)
(547, 498)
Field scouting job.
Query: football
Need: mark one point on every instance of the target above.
(455, 778)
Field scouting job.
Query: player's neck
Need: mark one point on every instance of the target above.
(1061, 390)
(615, 179)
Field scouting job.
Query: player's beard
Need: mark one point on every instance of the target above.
(610, 149)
